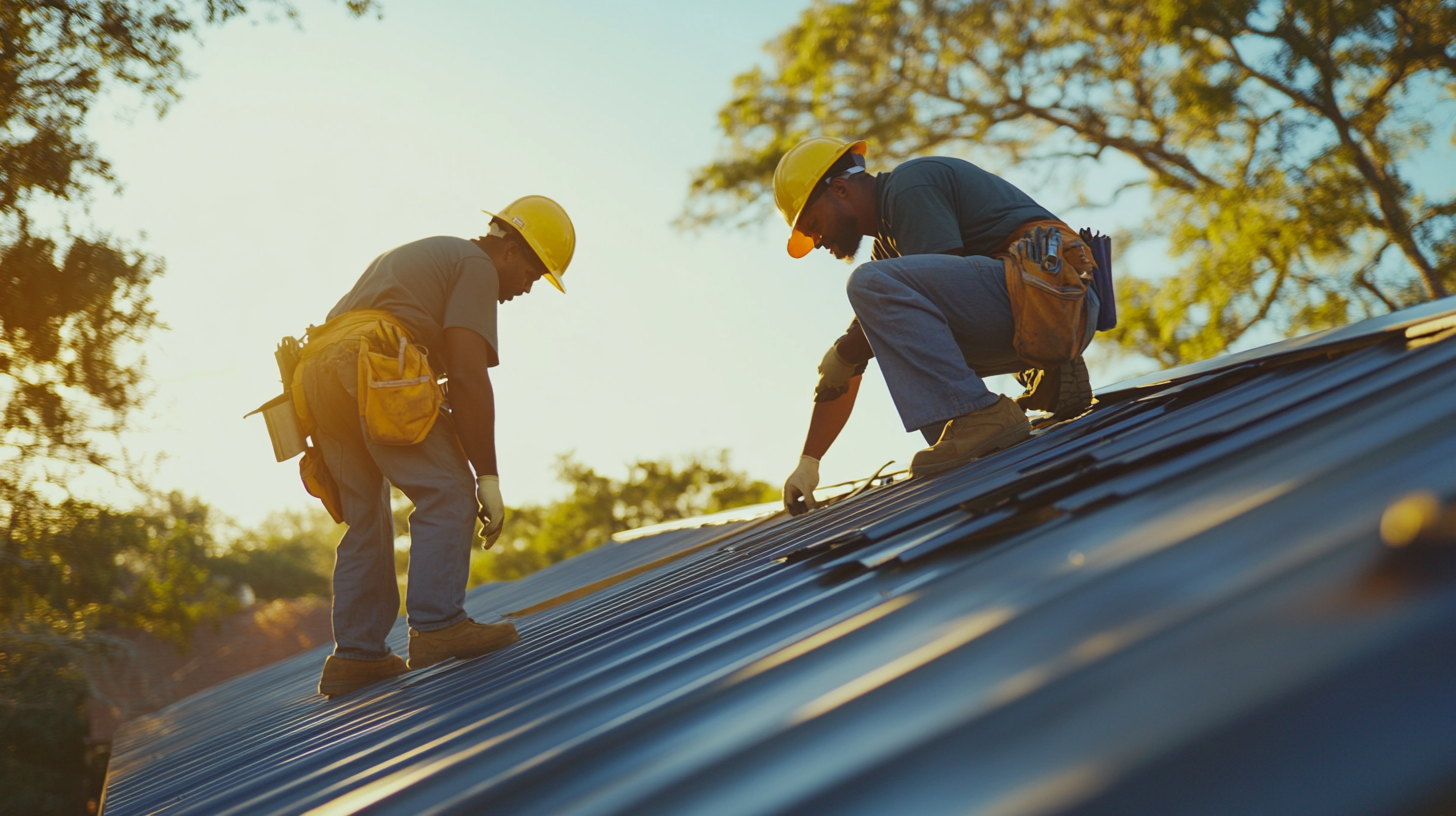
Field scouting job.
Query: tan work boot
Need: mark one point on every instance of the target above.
(465, 639)
(342, 675)
(972, 436)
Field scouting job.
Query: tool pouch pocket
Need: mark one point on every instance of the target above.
(1048, 305)
(398, 396)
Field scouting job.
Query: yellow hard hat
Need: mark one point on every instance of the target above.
(794, 179)
(547, 228)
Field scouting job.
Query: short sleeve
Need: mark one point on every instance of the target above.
(922, 220)
(854, 346)
(472, 302)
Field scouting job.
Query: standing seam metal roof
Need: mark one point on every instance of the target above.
(1178, 603)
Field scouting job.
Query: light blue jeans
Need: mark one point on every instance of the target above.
(434, 474)
(938, 324)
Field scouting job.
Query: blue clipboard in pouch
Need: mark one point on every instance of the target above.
(1102, 277)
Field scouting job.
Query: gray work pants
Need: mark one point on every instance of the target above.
(434, 474)
(937, 325)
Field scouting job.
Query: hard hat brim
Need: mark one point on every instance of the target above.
(549, 274)
(541, 256)
(799, 244)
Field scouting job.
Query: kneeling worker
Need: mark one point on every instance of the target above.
(970, 278)
(364, 389)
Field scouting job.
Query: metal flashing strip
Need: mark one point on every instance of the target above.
(1371, 330)
(612, 580)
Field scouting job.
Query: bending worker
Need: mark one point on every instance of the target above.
(366, 391)
(970, 278)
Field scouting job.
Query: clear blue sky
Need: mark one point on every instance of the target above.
(297, 156)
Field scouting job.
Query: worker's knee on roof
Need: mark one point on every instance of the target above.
(865, 283)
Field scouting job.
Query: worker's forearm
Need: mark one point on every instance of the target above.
(472, 407)
(828, 420)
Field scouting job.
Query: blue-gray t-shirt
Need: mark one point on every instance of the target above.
(431, 285)
(934, 204)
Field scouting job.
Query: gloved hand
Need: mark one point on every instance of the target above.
(492, 507)
(799, 489)
(834, 375)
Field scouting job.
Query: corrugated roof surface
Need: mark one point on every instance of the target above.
(1179, 603)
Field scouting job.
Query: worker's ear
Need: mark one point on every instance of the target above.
(839, 188)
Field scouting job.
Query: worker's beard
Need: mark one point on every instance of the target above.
(843, 238)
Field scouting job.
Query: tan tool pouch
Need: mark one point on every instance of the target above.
(398, 396)
(1049, 308)
(320, 484)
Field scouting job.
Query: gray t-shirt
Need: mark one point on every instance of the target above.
(934, 204)
(431, 285)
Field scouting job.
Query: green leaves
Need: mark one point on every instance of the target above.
(72, 301)
(290, 555)
(599, 507)
(63, 326)
(43, 730)
(1271, 137)
(71, 568)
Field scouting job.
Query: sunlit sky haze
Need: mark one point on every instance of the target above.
(299, 154)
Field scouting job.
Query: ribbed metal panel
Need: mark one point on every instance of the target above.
(1179, 603)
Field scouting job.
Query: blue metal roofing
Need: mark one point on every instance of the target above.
(1179, 603)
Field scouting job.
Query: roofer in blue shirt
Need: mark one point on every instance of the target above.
(970, 278)
(365, 390)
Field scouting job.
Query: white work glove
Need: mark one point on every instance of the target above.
(834, 375)
(492, 507)
(800, 486)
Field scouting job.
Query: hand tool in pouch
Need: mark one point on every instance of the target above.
(278, 413)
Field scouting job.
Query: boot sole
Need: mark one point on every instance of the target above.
(1006, 439)
(338, 688)
(494, 646)
(1074, 396)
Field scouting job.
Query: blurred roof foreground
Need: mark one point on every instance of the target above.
(1180, 603)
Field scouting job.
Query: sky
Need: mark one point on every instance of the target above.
(300, 153)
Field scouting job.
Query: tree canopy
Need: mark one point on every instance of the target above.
(1273, 138)
(73, 299)
(653, 492)
(290, 555)
(74, 302)
(69, 569)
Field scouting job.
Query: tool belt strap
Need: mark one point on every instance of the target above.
(1028, 228)
(379, 328)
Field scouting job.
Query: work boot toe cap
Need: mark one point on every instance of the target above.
(342, 675)
(970, 437)
(463, 640)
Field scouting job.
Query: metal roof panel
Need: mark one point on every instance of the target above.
(1177, 603)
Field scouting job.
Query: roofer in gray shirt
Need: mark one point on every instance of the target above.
(970, 278)
(366, 392)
